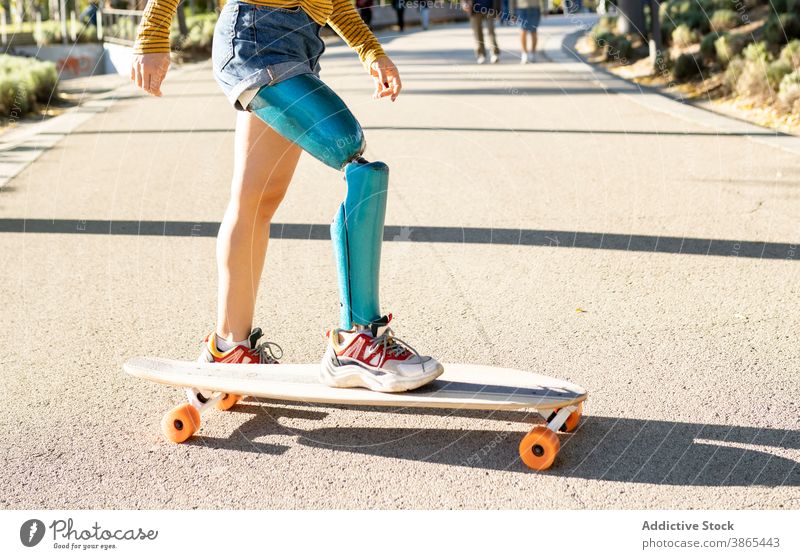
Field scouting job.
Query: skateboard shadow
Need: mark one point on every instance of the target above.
(603, 448)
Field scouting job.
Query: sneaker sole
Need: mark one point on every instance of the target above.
(356, 376)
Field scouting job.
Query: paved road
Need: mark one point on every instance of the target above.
(518, 195)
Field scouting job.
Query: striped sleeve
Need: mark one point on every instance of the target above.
(350, 27)
(153, 35)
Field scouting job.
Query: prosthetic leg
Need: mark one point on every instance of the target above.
(307, 112)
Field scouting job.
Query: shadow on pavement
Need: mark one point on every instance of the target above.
(511, 90)
(428, 234)
(510, 130)
(603, 448)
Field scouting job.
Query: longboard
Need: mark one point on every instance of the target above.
(462, 386)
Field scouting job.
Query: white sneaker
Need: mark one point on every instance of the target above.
(373, 358)
(524, 58)
(481, 59)
(495, 58)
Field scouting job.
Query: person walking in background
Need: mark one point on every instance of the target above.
(424, 14)
(400, 9)
(481, 11)
(528, 14)
(89, 15)
(505, 12)
(364, 8)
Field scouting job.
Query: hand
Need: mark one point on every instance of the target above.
(387, 78)
(148, 71)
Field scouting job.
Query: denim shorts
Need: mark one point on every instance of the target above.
(256, 46)
(529, 18)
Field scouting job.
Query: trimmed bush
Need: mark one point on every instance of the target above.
(683, 36)
(789, 91)
(753, 81)
(728, 46)
(757, 52)
(602, 39)
(619, 49)
(776, 71)
(782, 28)
(758, 74)
(23, 82)
(732, 73)
(707, 48)
(689, 12)
(724, 20)
(686, 67)
(791, 53)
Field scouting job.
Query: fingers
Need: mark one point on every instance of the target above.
(377, 93)
(380, 83)
(139, 74)
(387, 80)
(382, 76)
(152, 83)
(396, 86)
(147, 76)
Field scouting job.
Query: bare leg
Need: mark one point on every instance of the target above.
(524, 38)
(492, 36)
(264, 162)
(477, 33)
(534, 37)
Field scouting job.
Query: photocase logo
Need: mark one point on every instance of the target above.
(32, 532)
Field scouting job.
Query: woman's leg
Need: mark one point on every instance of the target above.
(307, 112)
(524, 40)
(264, 162)
(492, 35)
(533, 41)
(477, 33)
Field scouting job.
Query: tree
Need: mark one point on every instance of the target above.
(631, 18)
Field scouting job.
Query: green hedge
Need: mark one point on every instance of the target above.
(24, 82)
(782, 28)
(724, 20)
(687, 67)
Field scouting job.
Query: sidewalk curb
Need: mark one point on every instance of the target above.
(27, 142)
(656, 100)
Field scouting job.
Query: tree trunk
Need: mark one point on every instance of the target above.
(182, 20)
(631, 17)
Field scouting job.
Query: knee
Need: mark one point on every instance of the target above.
(361, 166)
(366, 180)
(260, 198)
(346, 145)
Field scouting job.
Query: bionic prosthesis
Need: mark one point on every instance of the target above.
(307, 112)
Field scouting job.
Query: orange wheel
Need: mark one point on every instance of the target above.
(538, 448)
(228, 401)
(573, 420)
(180, 423)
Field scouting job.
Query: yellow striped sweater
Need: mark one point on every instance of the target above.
(153, 33)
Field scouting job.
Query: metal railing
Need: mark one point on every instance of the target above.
(118, 26)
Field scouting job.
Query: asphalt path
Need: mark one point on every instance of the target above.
(537, 219)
